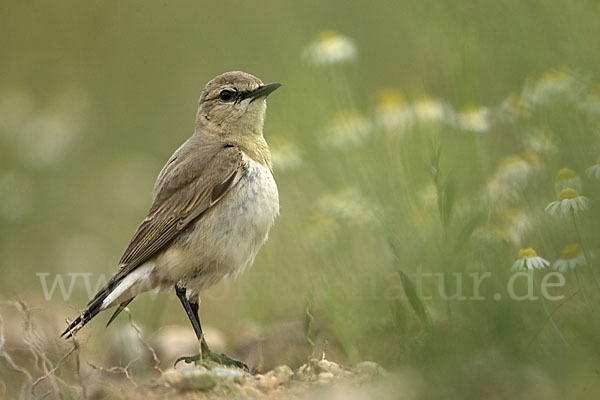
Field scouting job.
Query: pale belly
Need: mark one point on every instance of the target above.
(227, 237)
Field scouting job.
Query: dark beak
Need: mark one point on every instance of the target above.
(262, 91)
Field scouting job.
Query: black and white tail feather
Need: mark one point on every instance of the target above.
(179, 199)
(93, 308)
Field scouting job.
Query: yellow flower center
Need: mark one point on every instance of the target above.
(567, 193)
(564, 174)
(527, 253)
(509, 161)
(390, 99)
(512, 213)
(594, 94)
(328, 35)
(558, 74)
(530, 157)
(471, 109)
(571, 251)
(515, 100)
(348, 117)
(498, 232)
(426, 102)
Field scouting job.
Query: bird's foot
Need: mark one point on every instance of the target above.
(223, 359)
(189, 359)
(208, 356)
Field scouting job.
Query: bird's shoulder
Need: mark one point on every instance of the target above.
(201, 162)
(196, 177)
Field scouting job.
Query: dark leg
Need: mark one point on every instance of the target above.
(191, 310)
(203, 345)
(195, 307)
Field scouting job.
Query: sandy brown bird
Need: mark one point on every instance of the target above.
(213, 205)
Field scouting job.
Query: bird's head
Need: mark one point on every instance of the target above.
(233, 103)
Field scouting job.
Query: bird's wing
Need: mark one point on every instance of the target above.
(196, 177)
(184, 191)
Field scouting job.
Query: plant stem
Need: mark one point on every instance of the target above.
(579, 285)
(542, 300)
(586, 253)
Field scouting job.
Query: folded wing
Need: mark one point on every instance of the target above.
(196, 177)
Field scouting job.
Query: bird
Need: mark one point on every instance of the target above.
(213, 205)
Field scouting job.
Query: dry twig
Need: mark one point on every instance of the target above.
(146, 345)
(11, 363)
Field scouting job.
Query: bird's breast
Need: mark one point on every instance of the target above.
(252, 204)
(227, 237)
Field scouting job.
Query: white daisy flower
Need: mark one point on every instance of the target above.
(566, 178)
(512, 108)
(534, 161)
(570, 258)
(594, 170)
(528, 260)
(428, 109)
(556, 84)
(321, 232)
(497, 193)
(511, 178)
(491, 235)
(514, 170)
(519, 224)
(568, 200)
(538, 140)
(330, 48)
(392, 113)
(591, 104)
(285, 155)
(348, 205)
(474, 119)
(345, 206)
(346, 128)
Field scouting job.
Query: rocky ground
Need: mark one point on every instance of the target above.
(315, 379)
(35, 363)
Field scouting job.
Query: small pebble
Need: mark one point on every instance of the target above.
(369, 369)
(282, 373)
(326, 377)
(190, 379)
(266, 382)
(324, 365)
(279, 380)
(234, 375)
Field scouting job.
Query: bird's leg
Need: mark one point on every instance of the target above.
(191, 309)
(191, 313)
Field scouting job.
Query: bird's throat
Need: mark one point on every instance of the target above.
(255, 146)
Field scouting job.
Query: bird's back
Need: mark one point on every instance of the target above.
(228, 236)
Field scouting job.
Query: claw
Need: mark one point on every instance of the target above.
(215, 357)
(188, 359)
(224, 360)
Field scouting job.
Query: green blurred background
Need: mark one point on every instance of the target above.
(95, 96)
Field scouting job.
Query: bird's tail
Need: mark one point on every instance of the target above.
(92, 309)
(121, 289)
(96, 305)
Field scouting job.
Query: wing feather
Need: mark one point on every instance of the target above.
(196, 177)
(185, 202)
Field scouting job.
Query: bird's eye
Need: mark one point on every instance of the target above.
(226, 95)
